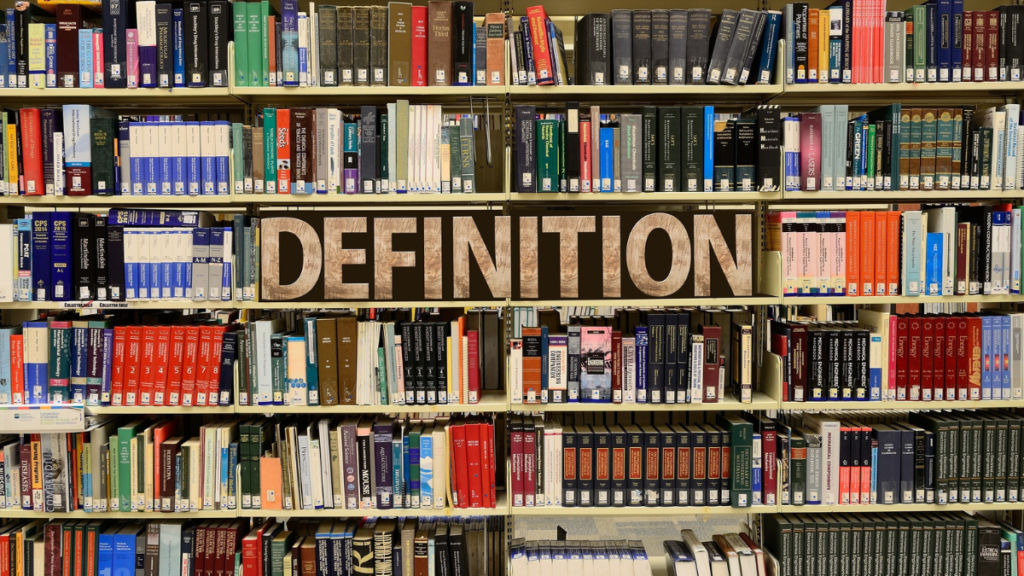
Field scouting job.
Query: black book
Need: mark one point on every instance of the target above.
(692, 149)
(219, 36)
(800, 41)
(164, 46)
(652, 466)
(649, 148)
(419, 362)
(846, 362)
(641, 47)
(569, 471)
(659, 45)
(115, 17)
(585, 468)
(619, 468)
(816, 365)
(441, 348)
(746, 155)
(671, 352)
(369, 164)
(430, 359)
(364, 454)
(408, 367)
(622, 46)
(196, 30)
(668, 465)
(462, 43)
(714, 483)
(678, 22)
(725, 156)
(699, 457)
(753, 47)
(102, 276)
(635, 465)
(656, 357)
(669, 136)
(22, 18)
(378, 46)
(572, 145)
(697, 45)
(441, 555)
(602, 466)
(345, 45)
(833, 366)
(328, 45)
(489, 345)
(1015, 44)
(862, 352)
(360, 46)
(593, 51)
(725, 29)
(115, 262)
(684, 465)
(742, 38)
(84, 258)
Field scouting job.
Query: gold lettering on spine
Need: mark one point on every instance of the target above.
(433, 264)
(497, 272)
(611, 256)
(528, 257)
(384, 258)
(312, 258)
(636, 250)
(737, 271)
(568, 229)
(337, 256)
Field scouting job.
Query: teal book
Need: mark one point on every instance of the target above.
(312, 371)
(125, 436)
(427, 469)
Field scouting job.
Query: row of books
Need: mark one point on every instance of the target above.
(884, 357)
(124, 45)
(659, 47)
(661, 148)
(399, 44)
(862, 544)
(864, 42)
(62, 256)
(938, 251)
(900, 148)
(728, 554)
(613, 557)
(300, 548)
(648, 356)
(864, 458)
(603, 461)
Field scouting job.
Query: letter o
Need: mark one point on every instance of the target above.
(636, 250)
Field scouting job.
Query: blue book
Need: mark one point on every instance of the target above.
(933, 264)
(132, 266)
(987, 359)
(12, 50)
(956, 60)
(108, 344)
(304, 74)
(709, 148)
(178, 39)
(41, 288)
(193, 161)
(164, 162)
(406, 472)
(770, 46)
(182, 259)
(225, 284)
(4, 46)
(24, 291)
(155, 218)
(60, 256)
(37, 354)
(129, 133)
(641, 364)
(179, 159)
(85, 58)
(159, 270)
(124, 550)
(1007, 344)
(945, 40)
(290, 41)
(544, 365)
(50, 39)
(791, 124)
(79, 360)
(232, 478)
(755, 477)
(312, 371)
(427, 470)
(222, 134)
(151, 162)
(607, 158)
(475, 80)
(874, 473)
(875, 372)
(862, 169)
(105, 553)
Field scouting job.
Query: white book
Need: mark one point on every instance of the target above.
(151, 145)
(1010, 181)
(1017, 355)
(829, 430)
(516, 368)
(747, 561)
(165, 142)
(304, 466)
(316, 478)
(264, 379)
(400, 368)
(146, 17)
(179, 153)
(440, 464)
(134, 161)
(58, 164)
(194, 148)
(222, 156)
(314, 43)
(1020, 155)
(208, 157)
(996, 119)
(629, 370)
(698, 551)
(434, 129)
(392, 151)
(7, 250)
(402, 142)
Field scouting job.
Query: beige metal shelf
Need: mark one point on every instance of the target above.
(500, 510)
(490, 402)
(758, 300)
(121, 97)
(321, 199)
(894, 197)
(659, 511)
(249, 305)
(760, 402)
(703, 93)
(159, 410)
(83, 515)
(935, 405)
(362, 94)
(127, 305)
(975, 506)
(666, 197)
(177, 201)
(857, 300)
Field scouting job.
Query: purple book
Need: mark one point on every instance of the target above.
(349, 457)
(94, 364)
(146, 18)
(108, 352)
(383, 433)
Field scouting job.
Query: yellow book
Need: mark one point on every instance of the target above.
(823, 41)
(37, 55)
(12, 158)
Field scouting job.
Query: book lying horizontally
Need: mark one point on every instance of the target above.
(570, 556)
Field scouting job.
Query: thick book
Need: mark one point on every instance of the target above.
(698, 39)
(463, 40)
(593, 50)
(642, 47)
(622, 46)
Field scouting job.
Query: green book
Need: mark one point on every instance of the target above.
(253, 43)
(270, 149)
(858, 126)
(870, 160)
(985, 147)
(238, 159)
(455, 142)
(467, 149)
(669, 140)
(243, 465)
(741, 448)
(384, 137)
(113, 464)
(279, 546)
(797, 468)
(920, 16)
(382, 380)
(778, 539)
(908, 54)
(240, 15)
(414, 464)
(104, 132)
(547, 155)
(563, 136)
(649, 148)
(891, 114)
(94, 377)
(125, 436)
(970, 545)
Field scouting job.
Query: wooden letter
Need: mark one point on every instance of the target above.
(384, 259)
(433, 265)
(312, 259)
(569, 228)
(636, 250)
(737, 271)
(338, 257)
(497, 271)
(611, 256)
(528, 257)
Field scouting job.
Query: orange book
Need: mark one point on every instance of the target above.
(284, 151)
(270, 483)
(531, 366)
(853, 253)
(867, 253)
(892, 258)
(881, 251)
(812, 45)
(495, 26)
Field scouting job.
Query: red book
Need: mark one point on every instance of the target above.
(974, 366)
(475, 465)
(474, 366)
(189, 366)
(487, 460)
(881, 250)
(133, 355)
(968, 46)
(516, 440)
(855, 465)
(542, 65)
(585, 168)
(938, 358)
(147, 366)
(963, 359)
(950, 362)
(199, 556)
(175, 359)
(992, 46)
(69, 20)
(160, 359)
(914, 358)
(724, 474)
(161, 433)
(17, 369)
(902, 356)
(927, 364)
(284, 151)
(117, 368)
(853, 253)
(769, 464)
(616, 367)
(251, 542)
(459, 464)
(892, 260)
(419, 45)
(32, 152)
(530, 463)
(97, 60)
(203, 368)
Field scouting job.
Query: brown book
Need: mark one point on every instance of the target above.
(170, 448)
(345, 66)
(495, 26)
(258, 161)
(399, 44)
(69, 20)
(439, 43)
(220, 557)
(307, 555)
(199, 554)
(944, 151)
(928, 118)
(152, 565)
(272, 49)
(327, 352)
(52, 549)
(348, 350)
(421, 559)
(301, 160)
(361, 45)
(379, 44)
(915, 149)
